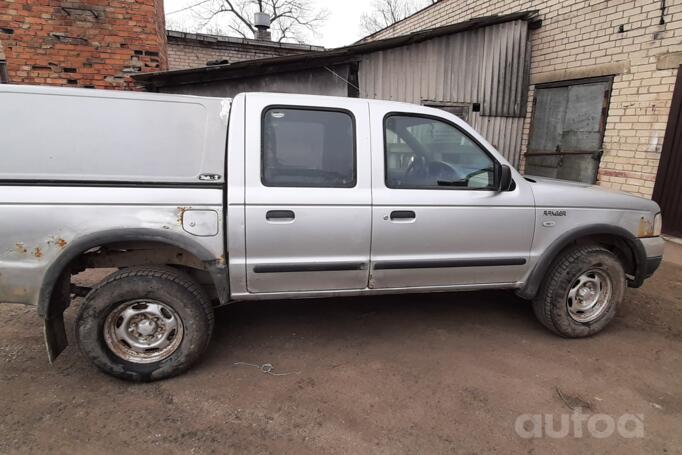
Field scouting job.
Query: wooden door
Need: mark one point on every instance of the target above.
(668, 188)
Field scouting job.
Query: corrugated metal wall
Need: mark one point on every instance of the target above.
(487, 66)
(504, 133)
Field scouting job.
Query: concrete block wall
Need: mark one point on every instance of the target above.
(94, 43)
(192, 50)
(633, 40)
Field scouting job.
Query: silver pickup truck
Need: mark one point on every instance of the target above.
(199, 202)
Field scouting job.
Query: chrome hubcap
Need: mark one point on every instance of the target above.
(589, 296)
(143, 331)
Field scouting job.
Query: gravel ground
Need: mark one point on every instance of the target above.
(441, 373)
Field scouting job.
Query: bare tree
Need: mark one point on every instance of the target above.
(291, 20)
(388, 12)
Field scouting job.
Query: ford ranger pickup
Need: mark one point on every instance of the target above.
(197, 202)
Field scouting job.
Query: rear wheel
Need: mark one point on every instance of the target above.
(145, 323)
(581, 292)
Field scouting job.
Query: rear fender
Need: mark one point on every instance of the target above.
(54, 295)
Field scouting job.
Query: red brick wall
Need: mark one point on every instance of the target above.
(89, 43)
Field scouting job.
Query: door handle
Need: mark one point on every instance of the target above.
(403, 215)
(280, 215)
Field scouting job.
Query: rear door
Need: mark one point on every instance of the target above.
(308, 193)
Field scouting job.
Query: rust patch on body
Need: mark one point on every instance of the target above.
(19, 292)
(60, 242)
(38, 252)
(645, 229)
(181, 213)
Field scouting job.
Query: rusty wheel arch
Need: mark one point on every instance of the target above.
(54, 295)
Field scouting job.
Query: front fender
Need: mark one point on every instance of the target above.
(542, 266)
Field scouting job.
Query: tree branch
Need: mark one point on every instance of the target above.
(290, 19)
(239, 15)
(387, 12)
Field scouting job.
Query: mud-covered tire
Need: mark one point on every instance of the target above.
(173, 290)
(552, 305)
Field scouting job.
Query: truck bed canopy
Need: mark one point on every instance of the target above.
(58, 134)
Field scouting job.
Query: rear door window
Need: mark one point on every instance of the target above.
(308, 148)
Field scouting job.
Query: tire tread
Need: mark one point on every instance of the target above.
(544, 304)
(162, 273)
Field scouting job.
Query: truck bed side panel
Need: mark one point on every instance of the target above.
(40, 222)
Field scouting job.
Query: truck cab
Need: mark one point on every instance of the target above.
(372, 197)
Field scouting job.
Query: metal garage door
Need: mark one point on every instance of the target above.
(567, 129)
(668, 189)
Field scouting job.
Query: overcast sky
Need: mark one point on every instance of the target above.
(341, 28)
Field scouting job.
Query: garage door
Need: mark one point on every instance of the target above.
(567, 129)
(668, 189)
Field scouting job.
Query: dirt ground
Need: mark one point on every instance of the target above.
(441, 373)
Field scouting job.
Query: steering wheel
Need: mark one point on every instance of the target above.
(440, 170)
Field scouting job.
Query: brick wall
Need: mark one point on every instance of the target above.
(93, 43)
(191, 50)
(586, 38)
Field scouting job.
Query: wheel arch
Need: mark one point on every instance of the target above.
(622, 242)
(54, 293)
(215, 266)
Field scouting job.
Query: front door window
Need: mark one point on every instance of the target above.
(427, 153)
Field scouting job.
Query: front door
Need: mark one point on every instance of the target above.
(437, 221)
(308, 195)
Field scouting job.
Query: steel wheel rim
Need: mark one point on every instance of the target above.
(589, 296)
(143, 331)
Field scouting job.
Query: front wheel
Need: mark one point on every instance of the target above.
(145, 323)
(581, 292)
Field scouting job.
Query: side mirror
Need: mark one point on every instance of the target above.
(505, 180)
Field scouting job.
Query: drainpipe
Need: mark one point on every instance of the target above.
(4, 78)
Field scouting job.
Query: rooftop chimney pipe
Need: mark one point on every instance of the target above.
(262, 23)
